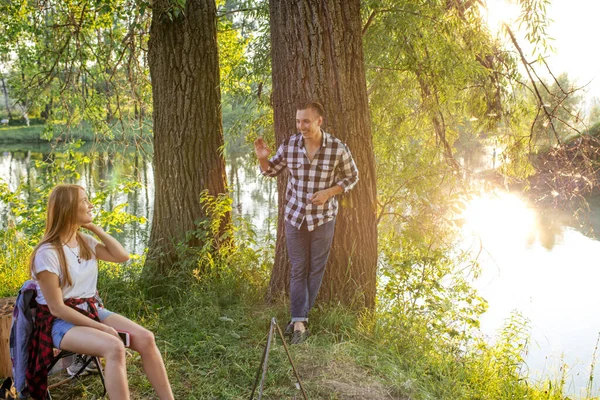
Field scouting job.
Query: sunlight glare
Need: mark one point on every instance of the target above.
(499, 218)
(497, 12)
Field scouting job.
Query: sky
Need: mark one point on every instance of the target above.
(574, 32)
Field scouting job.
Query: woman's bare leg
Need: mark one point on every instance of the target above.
(90, 341)
(142, 341)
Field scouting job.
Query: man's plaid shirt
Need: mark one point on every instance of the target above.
(331, 165)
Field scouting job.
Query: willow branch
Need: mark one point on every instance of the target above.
(528, 69)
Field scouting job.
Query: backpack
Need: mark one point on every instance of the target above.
(20, 335)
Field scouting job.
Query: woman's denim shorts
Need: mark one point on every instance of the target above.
(60, 327)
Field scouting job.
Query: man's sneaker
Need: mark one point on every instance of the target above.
(289, 331)
(299, 336)
(79, 362)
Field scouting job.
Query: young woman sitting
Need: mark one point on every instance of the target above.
(65, 267)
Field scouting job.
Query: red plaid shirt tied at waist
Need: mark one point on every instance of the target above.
(41, 347)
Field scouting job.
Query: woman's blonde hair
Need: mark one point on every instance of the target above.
(61, 222)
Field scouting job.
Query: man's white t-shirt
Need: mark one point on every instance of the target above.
(84, 275)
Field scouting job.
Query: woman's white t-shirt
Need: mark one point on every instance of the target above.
(84, 275)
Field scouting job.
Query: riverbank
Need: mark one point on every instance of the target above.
(559, 177)
(22, 134)
(127, 131)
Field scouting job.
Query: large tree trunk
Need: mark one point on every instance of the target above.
(317, 54)
(188, 135)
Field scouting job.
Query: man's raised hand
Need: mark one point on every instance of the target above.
(261, 149)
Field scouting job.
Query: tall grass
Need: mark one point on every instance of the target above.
(211, 332)
(212, 338)
(14, 261)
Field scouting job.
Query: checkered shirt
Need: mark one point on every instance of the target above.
(331, 165)
(41, 347)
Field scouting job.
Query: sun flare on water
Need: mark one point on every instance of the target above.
(499, 218)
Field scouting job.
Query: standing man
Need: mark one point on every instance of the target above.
(320, 167)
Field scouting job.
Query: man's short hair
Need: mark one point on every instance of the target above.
(315, 105)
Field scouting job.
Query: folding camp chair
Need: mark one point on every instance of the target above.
(64, 354)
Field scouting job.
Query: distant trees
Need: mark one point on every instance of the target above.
(72, 62)
(6, 100)
(594, 116)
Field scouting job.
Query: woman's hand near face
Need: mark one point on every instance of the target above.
(91, 227)
(110, 249)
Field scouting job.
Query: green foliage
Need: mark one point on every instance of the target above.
(176, 8)
(71, 61)
(435, 75)
(230, 257)
(594, 117)
(244, 56)
(422, 287)
(14, 260)
(499, 371)
(115, 219)
(27, 204)
(234, 68)
(556, 125)
(595, 129)
(535, 22)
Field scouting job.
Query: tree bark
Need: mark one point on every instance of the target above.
(6, 310)
(188, 134)
(317, 54)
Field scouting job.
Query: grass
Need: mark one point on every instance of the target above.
(23, 134)
(212, 343)
(14, 262)
(212, 334)
(212, 337)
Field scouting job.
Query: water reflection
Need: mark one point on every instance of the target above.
(111, 165)
(254, 197)
(534, 262)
